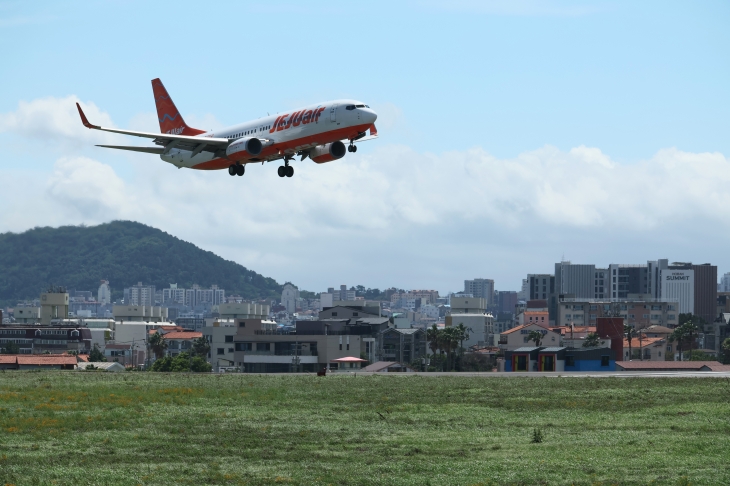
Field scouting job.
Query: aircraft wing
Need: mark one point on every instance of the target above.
(185, 142)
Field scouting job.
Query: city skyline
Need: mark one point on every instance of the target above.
(592, 132)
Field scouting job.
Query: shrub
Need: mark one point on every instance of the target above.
(537, 436)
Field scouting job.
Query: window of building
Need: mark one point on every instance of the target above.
(263, 346)
(244, 346)
(671, 317)
(334, 314)
(241, 324)
(593, 317)
(646, 316)
(229, 339)
(605, 360)
(230, 350)
(348, 346)
(355, 314)
(670, 307)
(221, 351)
(594, 307)
(340, 346)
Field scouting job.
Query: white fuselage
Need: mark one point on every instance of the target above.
(284, 134)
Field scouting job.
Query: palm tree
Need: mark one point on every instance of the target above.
(449, 340)
(463, 334)
(432, 336)
(629, 332)
(158, 345)
(535, 336)
(679, 335)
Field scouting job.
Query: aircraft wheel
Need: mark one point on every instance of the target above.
(289, 171)
(354, 148)
(281, 171)
(232, 170)
(349, 148)
(240, 170)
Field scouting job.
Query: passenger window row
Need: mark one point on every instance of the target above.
(249, 132)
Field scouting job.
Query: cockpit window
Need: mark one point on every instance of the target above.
(350, 107)
(359, 106)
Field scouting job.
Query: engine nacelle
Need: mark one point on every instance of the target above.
(244, 148)
(327, 153)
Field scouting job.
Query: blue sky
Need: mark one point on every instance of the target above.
(502, 79)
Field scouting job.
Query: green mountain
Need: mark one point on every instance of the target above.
(123, 252)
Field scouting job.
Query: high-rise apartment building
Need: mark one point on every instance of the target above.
(542, 287)
(506, 301)
(724, 285)
(173, 295)
(140, 295)
(481, 288)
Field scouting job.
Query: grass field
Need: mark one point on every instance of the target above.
(146, 428)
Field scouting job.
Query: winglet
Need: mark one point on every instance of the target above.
(373, 130)
(83, 118)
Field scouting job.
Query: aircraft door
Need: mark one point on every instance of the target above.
(333, 114)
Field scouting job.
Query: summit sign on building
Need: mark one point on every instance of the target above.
(679, 285)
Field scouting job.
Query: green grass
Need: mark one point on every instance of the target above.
(146, 428)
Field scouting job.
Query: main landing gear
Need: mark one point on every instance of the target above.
(286, 170)
(352, 147)
(236, 169)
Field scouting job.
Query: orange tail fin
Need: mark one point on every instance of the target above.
(171, 121)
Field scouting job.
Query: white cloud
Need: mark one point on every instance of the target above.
(50, 120)
(406, 218)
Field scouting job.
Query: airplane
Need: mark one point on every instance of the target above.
(319, 132)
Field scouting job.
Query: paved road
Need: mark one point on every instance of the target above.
(604, 374)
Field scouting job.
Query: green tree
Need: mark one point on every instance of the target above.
(592, 340)
(157, 344)
(698, 355)
(11, 348)
(726, 351)
(690, 328)
(201, 347)
(180, 363)
(96, 356)
(535, 336)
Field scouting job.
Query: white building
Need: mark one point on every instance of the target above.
(679, 285)
(429, 311)
(480, 326)
(220, 337)
(173, 295)
(104, 294)
(289, 297)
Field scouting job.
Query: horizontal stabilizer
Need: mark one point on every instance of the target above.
(149, 150)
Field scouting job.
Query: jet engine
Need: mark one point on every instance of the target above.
(327, 153)
(244, 148)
